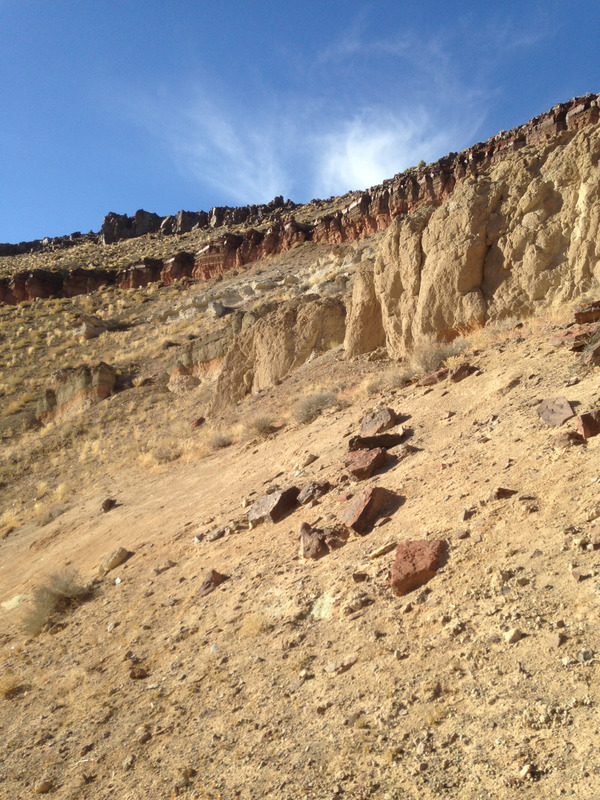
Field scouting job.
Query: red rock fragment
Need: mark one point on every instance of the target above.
(385, 440)
(415, 564)
(273, 507)
(377, 422)
(573, 338)
(312, 491)
(554, 411)
(587, 312)
(592, 356)
(460, 372)
(363, 463)
(212, 580)
(588, 424)
(431, 378)
(364, 510)
(138, 673)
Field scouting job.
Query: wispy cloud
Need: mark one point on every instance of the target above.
(386, 103)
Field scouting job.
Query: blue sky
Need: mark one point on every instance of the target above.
(119, 105)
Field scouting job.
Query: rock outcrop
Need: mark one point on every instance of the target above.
(473, 236)
(279, 342)
(73, 390)
(519, 236)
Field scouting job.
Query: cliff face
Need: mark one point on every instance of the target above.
(522, 234)
(482, 165)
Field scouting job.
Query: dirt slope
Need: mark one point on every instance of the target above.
(302, 679)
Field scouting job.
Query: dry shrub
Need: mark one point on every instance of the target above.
(309, 407)
(429, 354)
(261, 425)
(52, 599)
(11, 686)
(218, 440)
(390, 379)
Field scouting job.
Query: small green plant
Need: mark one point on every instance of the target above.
(53, 599)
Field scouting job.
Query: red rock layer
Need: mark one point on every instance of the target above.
(373, 211)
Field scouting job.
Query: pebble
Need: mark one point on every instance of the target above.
(43, 787)
(525, 771)
(513, 635)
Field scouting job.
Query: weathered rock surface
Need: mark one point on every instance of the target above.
(273, 507)
(316, 542)
(114, 560)
(378, 422)
(415, 564)
(72, 390)
(363, 510)
(363, 463)
(385, 440)
(554, 411)
(277, 343)
(588, 424)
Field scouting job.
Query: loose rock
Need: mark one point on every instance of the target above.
(377, 422)
(273, 507)
(415, 564)
(364, 509)
(554, 411)
(115, 559)
(363, 463)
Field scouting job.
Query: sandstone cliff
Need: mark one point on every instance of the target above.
(521, 235)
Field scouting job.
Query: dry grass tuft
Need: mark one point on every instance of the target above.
(428, 354)
(262, 425)
(309, 407)
(11, 686)
(52, 599)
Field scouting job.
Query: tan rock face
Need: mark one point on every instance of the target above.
(72, 390)
(278, 343)
(520, 236)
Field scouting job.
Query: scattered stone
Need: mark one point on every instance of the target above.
(90, 326)
(43, 787)
(555, 411)
(338, 667)
(501, 494)
(363, 463)
(513, 635)
(460, 372)
(385, 440)
(556, 640)
(447, 415)
(197, 423)
(382, 550)
(462, 534)
(377, 422)
(212, 580)
(108, 504)
(316, 543)
(355, 602)
(415, 564)
(431, 378)
(138, 673)
(577, 575)
(164, 567)
(587, 312)
(364, 510)
(214, 536)
(525, 771)
(588, 424)
(273, 507)
(585, 655)
(468, 513)
(313, 491)
(115, 559)
(306, 460)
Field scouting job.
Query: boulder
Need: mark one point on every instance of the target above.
(73, 390)
(363, 463)
(385, 440)
(588, 424)
(316, 542)
(273, 507)
(554, 411)
(378, 421)
(415, 564)
(366, 507)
